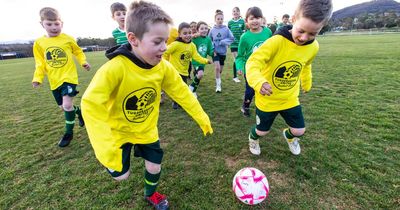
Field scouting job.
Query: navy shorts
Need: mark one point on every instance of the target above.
(234, 49)
(220, 58)
(293, 117)
(63, 90)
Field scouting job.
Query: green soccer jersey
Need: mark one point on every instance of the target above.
(250, 42)
(204, 47)
(119, 36)
(237, 28)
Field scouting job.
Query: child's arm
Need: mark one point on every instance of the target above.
(210, 48)
(240, 60)
(179, 92)
(228, 40)
(170, 49)
(306, 78)
(197, 57)
(80, 56)
(40, 66)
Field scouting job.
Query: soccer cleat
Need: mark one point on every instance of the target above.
(65, 140)
(254, 146)
(195, 94)
(175, 105)
(218, 89)
(158, 201)
(237, 80)
(245, 111)
(81, 121)
(293, 144)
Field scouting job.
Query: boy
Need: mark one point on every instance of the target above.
(274, 71)
(238, 27)
(181, 52)
(204, 47)
(54, 56)
(285, 21)
(250, 41)
(121, 104)
(118, 12)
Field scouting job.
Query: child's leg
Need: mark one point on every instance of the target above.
(295, 120)
(126, 162)
(151, 177)
(69, 113)
(199, 72)
(248, 97)
(264, 123)
(234, 54)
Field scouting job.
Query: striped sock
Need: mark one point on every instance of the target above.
(253, 134)
(69, 121)
(150, 182)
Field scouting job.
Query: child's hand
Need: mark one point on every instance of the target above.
(210, 62)
(35, 84)
(266, 89)
(239, 72)
(86, 66)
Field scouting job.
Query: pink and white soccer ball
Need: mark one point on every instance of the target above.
(250, 186)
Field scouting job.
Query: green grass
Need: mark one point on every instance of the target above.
(350, 153)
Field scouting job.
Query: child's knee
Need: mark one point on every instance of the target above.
(297, 131)
(67, 106)
(152, 168)
(122, 177)
(200, 75)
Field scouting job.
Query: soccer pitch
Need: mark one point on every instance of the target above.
(350, 153)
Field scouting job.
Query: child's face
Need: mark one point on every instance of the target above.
(186, 35)
(203, 29)
(235, 13)
(153, 44)
(119, 16)
(254, 23)
(193, 27)
(52, 27)
(285, 20)
(304, 30)
(219, 19)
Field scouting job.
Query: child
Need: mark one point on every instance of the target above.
(181, 52)
(285, 21)
(250, 41)
(238, 27)
(221, 37)
(204, 47)
(193, 28)
(121, 104)
(118, 12)
(278, 68)
(54, 56)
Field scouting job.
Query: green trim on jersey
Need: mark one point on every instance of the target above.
(119, 36)
(237, 28)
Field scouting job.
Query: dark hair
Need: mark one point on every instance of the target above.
(255, 11)
(117, 7)
(182, 26)
(141, 14)
(237, 8)
(218, 12)
(319, 11)
(285, 16)
(201, 23)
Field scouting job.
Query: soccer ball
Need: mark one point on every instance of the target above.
(250, 186)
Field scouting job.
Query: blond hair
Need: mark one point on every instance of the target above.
(49, 13)
(319, 11)
(141, 14)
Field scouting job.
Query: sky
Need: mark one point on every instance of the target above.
(19, 19)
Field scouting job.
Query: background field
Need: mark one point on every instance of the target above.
(350, 154)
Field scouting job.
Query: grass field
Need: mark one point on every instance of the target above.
(350, 153)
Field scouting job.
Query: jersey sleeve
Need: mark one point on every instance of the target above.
(78, 52)
(170, 49)
(241, 56)
(210, 48)
(40, 64)
(227, 41)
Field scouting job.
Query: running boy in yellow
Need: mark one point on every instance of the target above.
(54, 56)
(278, 68)
(121, 104)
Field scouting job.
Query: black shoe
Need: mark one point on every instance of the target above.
(65, 140)
(175, 105)
(245, 111)
(81, 121)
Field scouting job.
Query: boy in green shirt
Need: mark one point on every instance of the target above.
(237, 27)
(118, 12)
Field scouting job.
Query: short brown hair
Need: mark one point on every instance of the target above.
(218, 12)
(49, 13)
(117, 7)
(319, 11)
(141, 14)
(255, 11)
(201, 23)
(182, 26)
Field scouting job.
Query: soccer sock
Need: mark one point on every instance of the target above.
(195, 83)
(77, 110)
(234, 70)
(289, 134)
(150, 182)
(253, 134)
(69, 121)
(246, 104)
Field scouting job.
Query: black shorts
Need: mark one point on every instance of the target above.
(197, 69)
(220, 58)
(293, 117)
(234, 49)
(150, 152)
(63, 90)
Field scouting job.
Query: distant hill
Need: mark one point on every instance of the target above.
(375, 6)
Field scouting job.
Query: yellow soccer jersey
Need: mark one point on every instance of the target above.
(53, 56)
(180, 55)
(173, 34)
(282, 64)
(121, 105)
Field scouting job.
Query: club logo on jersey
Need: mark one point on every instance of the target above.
(202, 49)
(139, 104)
(56, 57)
(286, 75)
(185, 58)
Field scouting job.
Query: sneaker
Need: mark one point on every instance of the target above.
(175, 105)
(158, 201)
(81, 121)
(237, 80)
(195, 94)
(245, 111)
(65, 140)
(218, 89)
(293, 144)
(254, 146)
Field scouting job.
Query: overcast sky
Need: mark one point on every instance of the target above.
(19, 19)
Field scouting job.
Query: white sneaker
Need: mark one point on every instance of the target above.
(218, 89)
(191, 88)
(293, 144)
(254, 146)
(195, 94)
(236, 79)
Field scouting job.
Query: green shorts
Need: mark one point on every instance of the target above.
(150, 152)
(63, 90)
(293, 117)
